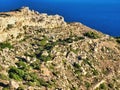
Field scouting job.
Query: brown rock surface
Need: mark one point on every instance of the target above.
(43, 52)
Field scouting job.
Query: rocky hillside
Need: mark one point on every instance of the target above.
(43, 52)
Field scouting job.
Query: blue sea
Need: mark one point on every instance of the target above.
(102, 15)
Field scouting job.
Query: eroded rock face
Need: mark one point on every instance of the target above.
(10, 21)
(43, 52)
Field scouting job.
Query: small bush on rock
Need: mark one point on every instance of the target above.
(5, 45)
(92, 35)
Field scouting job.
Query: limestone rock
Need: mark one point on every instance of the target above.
(46, 53)
(14, 84)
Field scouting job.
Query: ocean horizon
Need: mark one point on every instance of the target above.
(101, 15)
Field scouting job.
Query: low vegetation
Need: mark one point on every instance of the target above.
(5, 45)
(103, 86)
(36, 65)
(54, 55)
(23, 72)
(46, 44)
(9, 26)
(92, 35)
(3, 76)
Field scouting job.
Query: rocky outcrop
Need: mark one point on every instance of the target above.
(12, 23)
(43, 52)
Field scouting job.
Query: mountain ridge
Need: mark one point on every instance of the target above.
(43, 52)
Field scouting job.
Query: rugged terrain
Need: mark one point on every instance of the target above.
(43, 52)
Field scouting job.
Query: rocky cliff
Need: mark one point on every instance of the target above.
(43, 52)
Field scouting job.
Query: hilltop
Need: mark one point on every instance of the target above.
(43, 52)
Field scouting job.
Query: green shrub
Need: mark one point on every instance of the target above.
(16, 73)
(102, 86)
(30, 77)
(45, 58)
(69, 40)
(15, 76)
(92, 35)
(3, 77)
(87, 84)
(5, 88)
(78, 38)
(43, 42)
(77, 68)
(20, 72)
(76, 65)
(27, 77)
(35, 64)
(42, 82)
(49, 46)
(31, 83)
(21, 65)
(95, 72)
(64, 62)
(5, 45)
(32, 80)
(87, 61)
(77, 71)
(20, 88)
